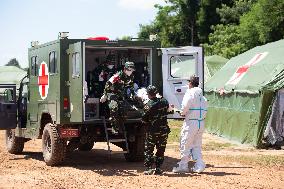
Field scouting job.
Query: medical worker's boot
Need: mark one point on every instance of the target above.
(182, 168)
(199, 166)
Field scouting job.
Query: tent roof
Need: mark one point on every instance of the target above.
(261, 68)
(11, 74)
(213, 64)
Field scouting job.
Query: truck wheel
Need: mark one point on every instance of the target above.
(53, 147)
(15, 145)
(86, 147)
(136, 149)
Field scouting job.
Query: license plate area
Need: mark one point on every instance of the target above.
(69, 133)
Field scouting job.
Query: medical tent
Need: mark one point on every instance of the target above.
(11, 75)
(246, 97)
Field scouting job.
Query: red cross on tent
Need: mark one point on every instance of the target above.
(242, 70)
(43, 80)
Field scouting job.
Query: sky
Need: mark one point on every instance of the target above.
(41, 20)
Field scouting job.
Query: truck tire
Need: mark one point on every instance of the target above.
(53, 147)
(86, 147)
(15, 145)
(136, 149)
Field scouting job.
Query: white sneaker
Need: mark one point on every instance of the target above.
(180, 169)
(197, 169)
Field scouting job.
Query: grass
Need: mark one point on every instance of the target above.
(261, 160)
(173, 123)
(174, 135)
(212, 145)
(175, 126)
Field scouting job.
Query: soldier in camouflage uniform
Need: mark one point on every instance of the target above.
(115, 92)
(155, 117)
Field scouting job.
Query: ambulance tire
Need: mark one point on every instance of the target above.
(15, 145)
(136, 149)
(86, 147)
(53, 147)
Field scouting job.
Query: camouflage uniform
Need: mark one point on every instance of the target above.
(155, 116)
(115, 90)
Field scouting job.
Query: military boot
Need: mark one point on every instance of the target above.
(158, 171)
(148, 171)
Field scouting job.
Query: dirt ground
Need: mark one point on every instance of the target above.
(228, 166)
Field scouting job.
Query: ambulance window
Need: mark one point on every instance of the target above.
(76, 64)
(182, 66)
(52, 62)
(34, 66)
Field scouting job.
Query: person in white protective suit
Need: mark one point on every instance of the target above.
(194, 109)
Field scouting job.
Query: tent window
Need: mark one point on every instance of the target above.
(52, 62)
(34, 71)
(76, 64)
(182, 66)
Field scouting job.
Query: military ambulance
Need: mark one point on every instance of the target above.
(61, 107)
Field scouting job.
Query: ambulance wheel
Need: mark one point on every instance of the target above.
(86, 147)
(136, 149)
(15, 145)
(53, 147)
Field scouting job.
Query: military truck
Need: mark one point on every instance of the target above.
(62, 107)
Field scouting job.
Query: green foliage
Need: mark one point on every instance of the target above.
(225, 41)
(264, 23)
(175, 23)
(232, 14)
(245, 24)
(207, 17)
(13, 62)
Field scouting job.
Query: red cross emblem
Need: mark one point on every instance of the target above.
(43, 80)
(242, 70)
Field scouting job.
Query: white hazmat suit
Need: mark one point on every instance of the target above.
(194, 108)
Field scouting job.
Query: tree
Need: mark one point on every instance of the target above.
(175, 23)
(226, 39)
(13, 62)
(264, 23)
(208, 16)
(232, 15)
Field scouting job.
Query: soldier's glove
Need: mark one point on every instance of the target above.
(158, 95)
(171, 109)
(103, 98)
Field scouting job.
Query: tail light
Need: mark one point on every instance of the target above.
(65, 103)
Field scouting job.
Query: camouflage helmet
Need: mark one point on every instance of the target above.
(129, 65)
(152, 90)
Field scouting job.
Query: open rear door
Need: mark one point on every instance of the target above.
(8, 107)
(76, 53)
(178, 64)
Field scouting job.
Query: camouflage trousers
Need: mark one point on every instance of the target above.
(160, 141)
(116, 114)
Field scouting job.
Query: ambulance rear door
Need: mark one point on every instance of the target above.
(76, 53)
(178, 64)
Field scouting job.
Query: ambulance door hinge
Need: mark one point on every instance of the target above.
(67, 83)
(68, 51)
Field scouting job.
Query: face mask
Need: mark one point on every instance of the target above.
(128, 73)
(110, 66)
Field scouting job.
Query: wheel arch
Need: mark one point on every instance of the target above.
(45, 119)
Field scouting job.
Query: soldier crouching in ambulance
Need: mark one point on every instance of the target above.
(155, 117)
(114, 93)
